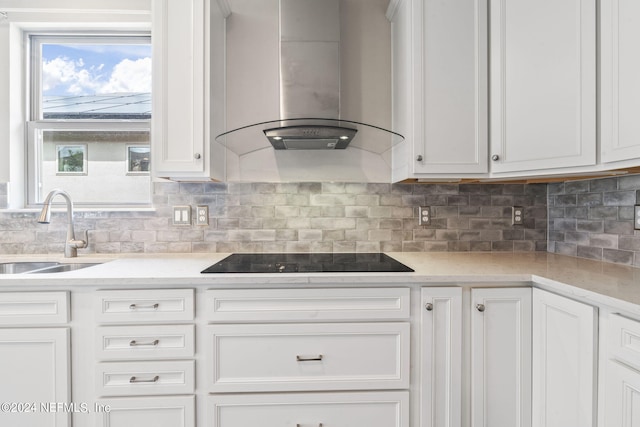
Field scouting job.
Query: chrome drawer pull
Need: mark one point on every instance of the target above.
(137, 380)
(480, 307)
(136, 307)
(134, 343)
(308, 358)
(300, 425)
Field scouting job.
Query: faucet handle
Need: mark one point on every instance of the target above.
(80, 244)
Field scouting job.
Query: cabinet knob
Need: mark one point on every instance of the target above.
(428, 306)
(480, 307)
(419, 158)
(495, 157)
(197, 156)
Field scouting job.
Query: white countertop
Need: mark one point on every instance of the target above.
(604, 283)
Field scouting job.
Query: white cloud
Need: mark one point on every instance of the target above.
(76, 79)
(70, 74)
(129, 76)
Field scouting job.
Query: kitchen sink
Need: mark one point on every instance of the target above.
(41, 267)
(64, 267)
(24, 267)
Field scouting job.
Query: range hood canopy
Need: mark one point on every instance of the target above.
(310, 90)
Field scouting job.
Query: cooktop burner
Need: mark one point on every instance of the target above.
(308, 263)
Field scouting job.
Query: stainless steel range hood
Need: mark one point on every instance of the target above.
(310, 82)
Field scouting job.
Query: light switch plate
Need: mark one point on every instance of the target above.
(202, 215)
(636, 217)
(182, 215)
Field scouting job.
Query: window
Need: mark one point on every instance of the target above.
(90, 111)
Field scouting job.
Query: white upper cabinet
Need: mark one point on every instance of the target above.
(439, 87)
(185, 74)
(620, 81)
(543, 84)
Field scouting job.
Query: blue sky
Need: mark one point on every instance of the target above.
(87, 69)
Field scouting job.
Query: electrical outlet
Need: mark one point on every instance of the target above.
(182, 215)
(517, 217)
(202, 215)
(636, 217)
(424, 215)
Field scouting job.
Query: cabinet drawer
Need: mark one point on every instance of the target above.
(157, 305)
(145, 378)
(624, 339)
(388, 409)
(254, 305)
(174, 411)
(27, 308)
(144, 342)
(306, 357)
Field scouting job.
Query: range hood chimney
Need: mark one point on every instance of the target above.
(310, 82)
(310, 75)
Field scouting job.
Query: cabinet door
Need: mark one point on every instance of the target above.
(622, 396)
(450, 90)
(543, 84)
(564, 362)
(178, 87)
(440, 89)
(620, 86)
(34, 371)
(156, 411)
(441, 353)
(501, 357)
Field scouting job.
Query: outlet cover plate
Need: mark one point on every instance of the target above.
(517, 217)
(202, 215)
(636, 217)
(424, 215)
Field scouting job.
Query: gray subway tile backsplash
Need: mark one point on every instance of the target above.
(590, 219)
(303, 217)
(601, 226)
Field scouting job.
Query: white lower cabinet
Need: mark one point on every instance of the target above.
(145, 373)
(441, 357)
(337, 349)
(564, 362)
(34, 372)
(501, 357)
(622, 372)
(375, 409)
(174, 411)
(622, 396)
(35, 365)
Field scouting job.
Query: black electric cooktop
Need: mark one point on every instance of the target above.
(308, 263)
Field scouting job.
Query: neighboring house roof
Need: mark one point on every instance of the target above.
(120, 106)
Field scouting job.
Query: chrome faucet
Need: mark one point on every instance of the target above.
(71, 245)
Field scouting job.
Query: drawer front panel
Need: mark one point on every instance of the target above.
(306, 357)
(253, 305)
(624, 339)
(150, 306)
(145, 378)
(389, 409)
(174, 411)
(27, 308)
(144, 342)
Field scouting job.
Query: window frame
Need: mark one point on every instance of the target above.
(36, 124)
